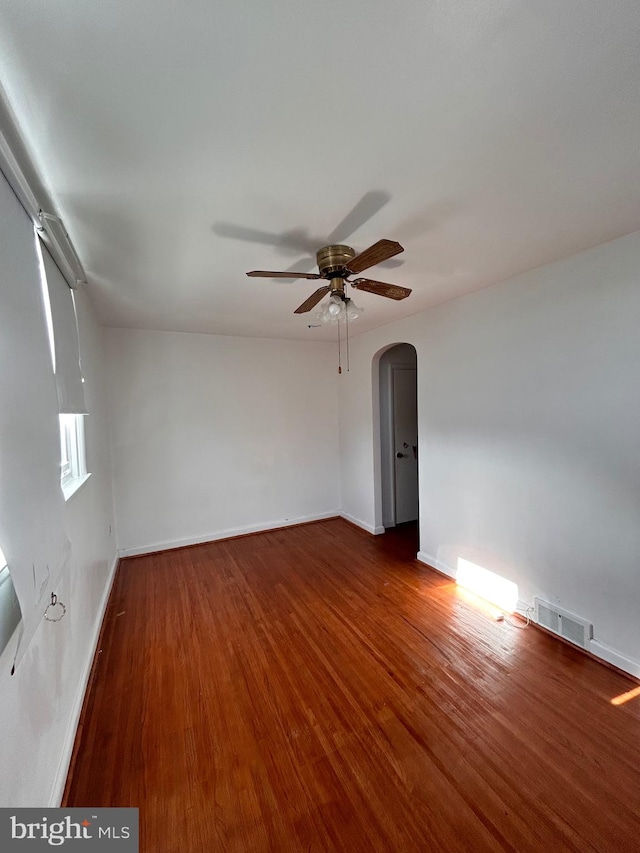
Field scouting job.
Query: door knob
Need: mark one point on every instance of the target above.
(400, 455)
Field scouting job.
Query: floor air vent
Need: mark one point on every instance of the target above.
(564, 624)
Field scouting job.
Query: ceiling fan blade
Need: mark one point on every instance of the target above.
(365, 209)
(270, 274)
(309, 303)
(380, 251)
(381, 288)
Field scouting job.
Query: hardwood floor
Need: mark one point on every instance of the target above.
(317, 689)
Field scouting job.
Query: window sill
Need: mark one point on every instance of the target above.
(73, 485)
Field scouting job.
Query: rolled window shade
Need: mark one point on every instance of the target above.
(32, 521)
(65, 336)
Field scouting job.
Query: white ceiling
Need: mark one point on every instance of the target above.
(503, 134)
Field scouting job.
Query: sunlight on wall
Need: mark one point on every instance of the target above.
(624, 697)
(488, 585)
(46, 301)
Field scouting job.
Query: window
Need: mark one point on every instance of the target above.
(73, 465)
(62, 330)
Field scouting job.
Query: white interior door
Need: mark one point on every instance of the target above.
(405, 429)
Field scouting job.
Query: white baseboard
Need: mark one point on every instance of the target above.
(67, 750)
(224, 534)
(615, 658)
(434, 563)
(363, 524)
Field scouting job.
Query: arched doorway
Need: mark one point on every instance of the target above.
(397, 496)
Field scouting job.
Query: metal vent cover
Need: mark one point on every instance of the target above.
(547, 617)
(566, 625)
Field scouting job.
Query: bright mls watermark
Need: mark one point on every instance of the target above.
(70, 829)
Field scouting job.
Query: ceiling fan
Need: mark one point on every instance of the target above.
(336, 264)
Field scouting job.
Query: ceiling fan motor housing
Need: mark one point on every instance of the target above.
(334, 260)
(332, 263)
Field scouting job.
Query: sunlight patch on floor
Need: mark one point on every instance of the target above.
(625, 697)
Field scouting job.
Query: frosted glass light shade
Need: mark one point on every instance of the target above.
(353, 312)
(334, 306)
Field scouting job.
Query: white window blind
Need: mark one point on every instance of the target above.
(66, 344)
(32, 528)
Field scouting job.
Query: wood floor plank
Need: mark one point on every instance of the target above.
(317, 689)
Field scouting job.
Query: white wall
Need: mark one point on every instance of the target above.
(218, 435)
(40, 704)
(529, 411)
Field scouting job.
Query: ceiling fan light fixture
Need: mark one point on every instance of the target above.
(353, 311)
(337, 309)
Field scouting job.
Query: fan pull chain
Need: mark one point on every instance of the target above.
(346, 322)
(339, 352)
